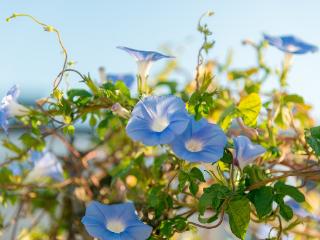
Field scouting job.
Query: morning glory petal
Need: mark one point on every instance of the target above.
(9, 107)
(140, 55)
(96, 228)
(290, 44)
(245, 151)
(200, 142)
(144, 61)
(137, 232)
(47, 166)
(157, 120)
(4, 119)
(36, 155)
(14, 92)
(114, 222)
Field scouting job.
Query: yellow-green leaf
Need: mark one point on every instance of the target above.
(249, 108)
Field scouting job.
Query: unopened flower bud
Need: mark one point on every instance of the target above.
(119, 110)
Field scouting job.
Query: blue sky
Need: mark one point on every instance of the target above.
(92, 29)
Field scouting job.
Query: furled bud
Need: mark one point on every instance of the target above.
(119, 110)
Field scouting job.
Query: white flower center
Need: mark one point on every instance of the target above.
(159, 124)
(115, 226)
(194, 145)
(292, 48)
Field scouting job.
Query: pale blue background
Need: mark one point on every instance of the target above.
(92, 29)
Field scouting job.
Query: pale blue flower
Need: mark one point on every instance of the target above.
(40, 164)
(144, 61)
(245, 151)
(128, 79)
(200, 142)
(140, 55)
(45, 164)
(115, 222)
(157, 120)
(290, 44)
(9, 107)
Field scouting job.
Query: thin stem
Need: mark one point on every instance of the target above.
(48, 28)
(294, 173)
(218, 223)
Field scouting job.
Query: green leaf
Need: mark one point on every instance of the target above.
(156, 168)
(91, 85)
(159, 200)
(293, 192)
(293, 98)
(238, 74)
(262, 199)
(286, 212)
(170, 226)
(315, 132)
(197, 174)
(200, 104)
(120, 85)
(227, 116)
(213, 197)
(249, 108)
(92, 121)
(183, 178)
(57, 94)
(81, 93)
(254, 174)
(32, 142)
(11, 146)
(70, 129)
(193, 187)
(227, 156)
(193, 178)
(312, 136)
(5, 175)
(238, 211)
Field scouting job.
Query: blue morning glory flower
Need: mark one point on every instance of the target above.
(140, 55)
(245, 151)
(128, 79)
(144, 60)
(45, 164)
(40, 164)
(114, 222)
(200, 142)
(9, 107)
(290, 44)
(157, 120)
